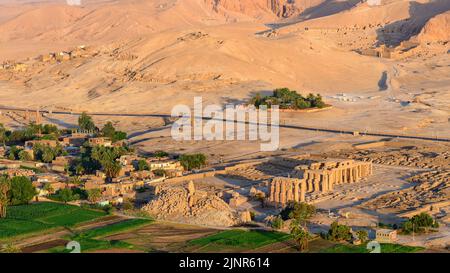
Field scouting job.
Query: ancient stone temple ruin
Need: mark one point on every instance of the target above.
(316, 177)
(283, 189)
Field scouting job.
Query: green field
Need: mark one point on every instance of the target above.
(385, 248)
(237, 240)
(36, 217)
(91, 240)
(115, 228)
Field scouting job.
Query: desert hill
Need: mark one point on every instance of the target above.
(436, 29)
(147, 56)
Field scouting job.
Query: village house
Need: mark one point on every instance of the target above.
(60, 163)
(129, 159)
(172, 173)
(125, 188)
(17, 172)
(50, 178)
(74, 140)
(386, 235)
(120, 143)
(56, 182)
(126, 170)
(142, 175)
(10, 164)
(30, 143)
(165, 165)
(100, 141)
(92, 181)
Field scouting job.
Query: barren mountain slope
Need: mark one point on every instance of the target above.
(205, 59)
(437, 29)
(142, 60)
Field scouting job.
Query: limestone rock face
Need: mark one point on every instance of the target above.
(280, 8)
(437, 29)
(178, 204)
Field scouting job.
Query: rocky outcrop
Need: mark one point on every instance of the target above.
(188, 205)
(280, 8)
(437, 29)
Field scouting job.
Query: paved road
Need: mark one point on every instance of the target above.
(297, 127)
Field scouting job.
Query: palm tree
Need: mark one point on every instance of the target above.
(94, 195)
(4, 200)
(3, 134)
(300, 235)
(48, 187)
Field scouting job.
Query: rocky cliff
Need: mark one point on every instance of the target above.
(437, 29)
(280, 8)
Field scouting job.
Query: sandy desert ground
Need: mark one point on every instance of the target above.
(148, 56)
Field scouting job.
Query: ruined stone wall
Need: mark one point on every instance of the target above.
(283, 190)
(316, 177)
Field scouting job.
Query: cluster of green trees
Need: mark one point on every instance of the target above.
(143, 165)
(85, 122)
(288, 99)
(192, 161)
(71, 194)
(109, 131)
(160, 172)
(98, 158)
(46, 153)
(277, 222)
(67, 195)
(298, 210)
(15, 191)
(16, 153)
(338, 232)
(43, 153)
(420, 223)
(160, 154)
(299, 213)
(30, 132)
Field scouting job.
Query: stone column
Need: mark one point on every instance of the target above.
(277, 191)
(350, 175)
(283, 193)
(302, 190)
(331, 180)
(289, 188)
(317, 182)
(296, 191)
(272, 191)
(325, 182)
